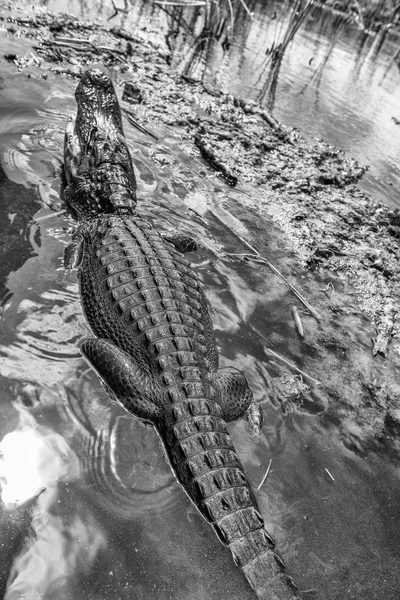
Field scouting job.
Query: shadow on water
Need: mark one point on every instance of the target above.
(17, 208)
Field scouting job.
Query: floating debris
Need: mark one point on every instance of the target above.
(330, 474)
(264, 479)
(297, 320)
(50, 216)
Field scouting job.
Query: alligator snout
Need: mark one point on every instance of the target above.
(97, 77)
(97, 163)
(94, 80)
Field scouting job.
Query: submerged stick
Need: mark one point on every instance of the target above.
(297, 321)
(291, 286)
(50, 216)
(275, 270)
(264, 479)
(292, 366)
(258, 258)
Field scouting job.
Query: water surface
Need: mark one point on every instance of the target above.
(89, 507)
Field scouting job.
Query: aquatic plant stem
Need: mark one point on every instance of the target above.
(291, 365)
(256, 256)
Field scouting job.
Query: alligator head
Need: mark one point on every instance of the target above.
(99, 176)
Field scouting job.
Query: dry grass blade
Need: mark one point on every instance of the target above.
(291, 365)
(264, 479)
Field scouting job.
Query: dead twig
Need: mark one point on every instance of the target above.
(182, 4)
(69, 44)
(71, 40)
(330, 474)
(297, 321)
(209, 154)
(264, 479)
(258, 258)
(291, 365)
(50, 216)
(131, 118)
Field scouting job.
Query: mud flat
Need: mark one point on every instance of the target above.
(336, 244)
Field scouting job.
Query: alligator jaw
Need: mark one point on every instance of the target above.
(97, 104)
(97, 163)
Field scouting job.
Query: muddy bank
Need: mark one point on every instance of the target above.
(338, 246)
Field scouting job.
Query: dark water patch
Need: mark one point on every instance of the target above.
(17, 207)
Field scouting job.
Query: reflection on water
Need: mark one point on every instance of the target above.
(89, 506)
(316, 72)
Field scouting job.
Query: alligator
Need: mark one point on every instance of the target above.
(153, 345)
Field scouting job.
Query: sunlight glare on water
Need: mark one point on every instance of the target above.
(30, 462)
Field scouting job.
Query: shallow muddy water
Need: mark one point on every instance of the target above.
(89, 507)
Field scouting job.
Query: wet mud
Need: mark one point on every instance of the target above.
(332, 241)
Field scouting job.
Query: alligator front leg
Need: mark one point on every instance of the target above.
(235, 397)
(72, 151)
(182, 243)
(127, 381)
(73, 253)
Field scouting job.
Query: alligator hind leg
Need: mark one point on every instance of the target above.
(235, 397)
(126, 380)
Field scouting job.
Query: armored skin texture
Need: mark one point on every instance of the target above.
(153, 345)
(99, 175)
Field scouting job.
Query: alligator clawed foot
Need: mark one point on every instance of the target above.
(73, 253)
(255, 418)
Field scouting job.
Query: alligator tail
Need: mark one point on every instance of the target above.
(206, 464)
